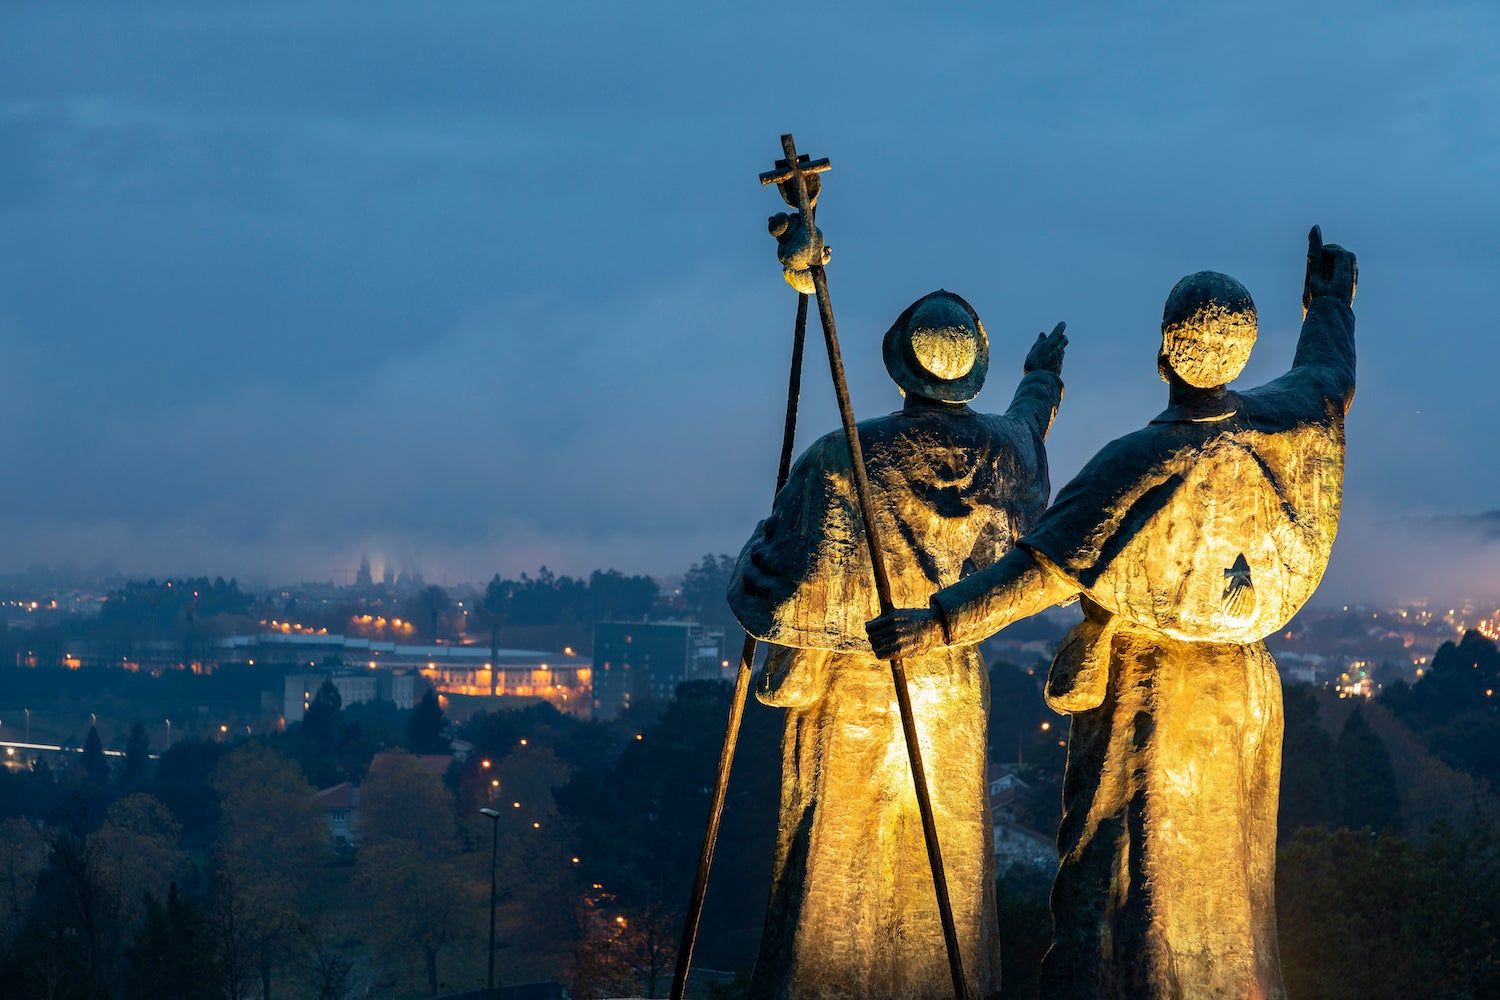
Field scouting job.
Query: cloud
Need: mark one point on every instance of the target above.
(287, 282)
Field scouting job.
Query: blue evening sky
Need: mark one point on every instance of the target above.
(487, 285)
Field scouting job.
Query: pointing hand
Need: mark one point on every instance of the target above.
(1046, 353)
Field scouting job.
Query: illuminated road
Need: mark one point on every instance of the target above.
(16, 745)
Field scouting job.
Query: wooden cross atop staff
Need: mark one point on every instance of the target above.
(794, 174)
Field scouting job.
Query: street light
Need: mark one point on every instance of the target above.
(494, 854)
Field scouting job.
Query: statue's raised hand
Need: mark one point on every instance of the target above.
(1046, 353)
(1331, 270)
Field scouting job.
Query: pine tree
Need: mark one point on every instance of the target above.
(137, 757)
(323, 724)
(94, 764)
(1367, 781)
(425, 727)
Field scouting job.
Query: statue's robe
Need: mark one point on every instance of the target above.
(1190, 540)
(852, 912)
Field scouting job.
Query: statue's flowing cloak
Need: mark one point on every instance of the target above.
(852, 910)
(1191, 540)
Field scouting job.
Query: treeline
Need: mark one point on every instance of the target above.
(195, 612)
(211, 873)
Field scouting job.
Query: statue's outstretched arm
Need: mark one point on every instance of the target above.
(1327, 338)
(974, 608)
(1016, 587)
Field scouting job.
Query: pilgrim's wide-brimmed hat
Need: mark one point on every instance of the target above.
(937, 348)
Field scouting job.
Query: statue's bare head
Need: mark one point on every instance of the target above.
(938, 349)
(1207, 330)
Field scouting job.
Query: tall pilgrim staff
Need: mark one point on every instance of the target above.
(747, 652)
(800, 176)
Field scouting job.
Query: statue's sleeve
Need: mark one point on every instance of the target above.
(983, 603)
(802, 578)
(1036, 401)
(1322, 374)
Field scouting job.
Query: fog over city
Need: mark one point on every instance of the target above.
(289, 284)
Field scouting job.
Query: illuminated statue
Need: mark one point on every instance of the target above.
(1189, 541)
(852, 910)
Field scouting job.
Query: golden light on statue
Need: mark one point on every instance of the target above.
(895, 547)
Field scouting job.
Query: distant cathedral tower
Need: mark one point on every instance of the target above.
(362, 579)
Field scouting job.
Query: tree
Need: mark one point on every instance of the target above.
(173, 954)
(424, 729)
(413, 901)
(414, 897)
(72, 933)
(94, 764)
(1016, 714)
(1025, 928)
(640, 824)
(402, 801)
(331, 970)
(271, 830)
(323, 723)
(136, 850)
(1364, 917)
(1309, 769)
(137, 758)
(184, 781)
(1367, 781)
(23, 855)
(704, 587)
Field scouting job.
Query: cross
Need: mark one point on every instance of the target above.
(785, 178)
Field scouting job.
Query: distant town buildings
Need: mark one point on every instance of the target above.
(1015, 844)
(636, 663)
(366, 669)
(355, 687)
(340, 804)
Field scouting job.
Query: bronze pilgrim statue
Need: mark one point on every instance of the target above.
(1189, 541)
(852, 911)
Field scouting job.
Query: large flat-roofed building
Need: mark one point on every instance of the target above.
(636, 663)
(560, 678)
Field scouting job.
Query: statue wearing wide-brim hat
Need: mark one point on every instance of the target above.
(951, 489)
(938, 349)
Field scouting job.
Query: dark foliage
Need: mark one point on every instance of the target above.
(1365, 917)
(173, 956)
(1367, 782)
(641, 823)
(134, 770)
(94, 764)
(704, 587)
(424, 728)
(1309, 776)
